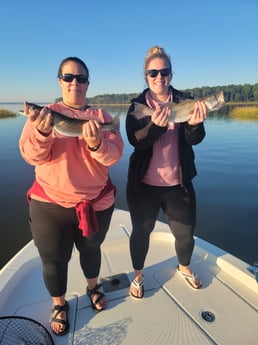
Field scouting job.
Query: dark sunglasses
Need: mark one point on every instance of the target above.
(68, 78)
(165, 72)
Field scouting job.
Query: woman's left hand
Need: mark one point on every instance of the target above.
(92, 133)
(199, 113)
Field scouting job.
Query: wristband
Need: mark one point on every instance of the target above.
(95, 148)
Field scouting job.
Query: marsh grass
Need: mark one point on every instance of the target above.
(6, 113)
(244, 113)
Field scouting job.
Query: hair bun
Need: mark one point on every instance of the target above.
(156, 52)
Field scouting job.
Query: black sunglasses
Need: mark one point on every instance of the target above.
(68, 78)
(165, 72)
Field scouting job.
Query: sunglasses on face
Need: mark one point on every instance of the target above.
(68, 78)
(165, 72)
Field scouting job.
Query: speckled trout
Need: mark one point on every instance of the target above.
(73, 127)
(181, 112)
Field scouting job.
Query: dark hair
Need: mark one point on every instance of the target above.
(74, 59)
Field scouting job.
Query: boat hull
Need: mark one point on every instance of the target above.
(224, 311)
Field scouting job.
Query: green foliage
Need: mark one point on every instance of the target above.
(112, 98)
(244, 113)
(6, 113)
(232, 93)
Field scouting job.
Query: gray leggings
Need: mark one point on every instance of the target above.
(179, 207)
(54, 230)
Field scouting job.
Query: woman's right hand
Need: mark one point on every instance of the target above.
(160, 116)
(41, 120)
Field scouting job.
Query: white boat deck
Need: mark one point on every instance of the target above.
(170, 312)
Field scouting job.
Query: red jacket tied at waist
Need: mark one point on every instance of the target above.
(84, 210)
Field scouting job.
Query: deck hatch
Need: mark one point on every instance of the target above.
(115, 282)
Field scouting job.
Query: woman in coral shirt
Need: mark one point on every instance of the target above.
(72, 198)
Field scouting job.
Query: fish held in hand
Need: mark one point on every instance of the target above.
(72, 127)
(180, 112)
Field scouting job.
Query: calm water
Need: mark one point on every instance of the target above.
(226, 185)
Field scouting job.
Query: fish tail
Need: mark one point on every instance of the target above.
(140, 111)
(116, 123)
(116, 120)
(221, 97)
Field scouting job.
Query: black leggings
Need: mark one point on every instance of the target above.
(55, 231)
(179, 207)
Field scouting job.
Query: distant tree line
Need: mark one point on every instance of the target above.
(232, 93)
(112, 98)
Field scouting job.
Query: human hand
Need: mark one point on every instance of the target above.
(199, 113)
(41, 120)
(92, 133)
(160, 116)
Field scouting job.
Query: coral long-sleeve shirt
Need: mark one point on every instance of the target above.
(65, 168)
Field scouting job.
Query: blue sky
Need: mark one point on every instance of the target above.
(210, 43)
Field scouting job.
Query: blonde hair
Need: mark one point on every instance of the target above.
(156, 52)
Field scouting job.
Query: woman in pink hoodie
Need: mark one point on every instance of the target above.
(72, 198)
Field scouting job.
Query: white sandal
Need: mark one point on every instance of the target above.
(193, 277)
(139, 287)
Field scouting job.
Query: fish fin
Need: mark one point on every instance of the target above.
(140, 111)
(59, 130)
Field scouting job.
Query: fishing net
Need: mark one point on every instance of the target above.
(19, 330)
